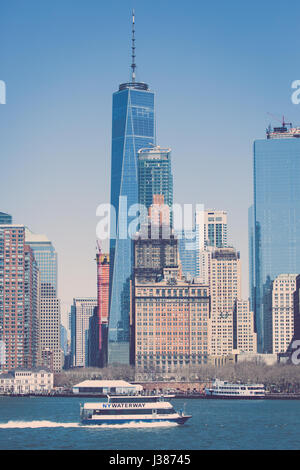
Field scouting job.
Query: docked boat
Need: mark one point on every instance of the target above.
(221, 389)
(124, 409)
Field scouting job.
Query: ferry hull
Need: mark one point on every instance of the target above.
(98, 422)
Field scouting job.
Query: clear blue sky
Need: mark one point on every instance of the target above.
(217, 68)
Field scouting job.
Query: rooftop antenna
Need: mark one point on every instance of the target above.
(133, 64)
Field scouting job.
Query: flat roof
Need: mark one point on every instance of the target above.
(105, 383)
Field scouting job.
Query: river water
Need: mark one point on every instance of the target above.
(53, 423)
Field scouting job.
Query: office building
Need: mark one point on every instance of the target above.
(284, 287)
(274, 238)
(244, 337)
(187, 252)
(171, 324)
(32, 328)
(82, 311)
(155, 176)
(13, 341)
(98, 327)
(50, 319)
(152, 255)
(133, 128)
(225, 289)
(5, 219)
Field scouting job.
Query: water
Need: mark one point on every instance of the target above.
(52, 423)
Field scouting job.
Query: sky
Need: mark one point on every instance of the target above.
(221, 71)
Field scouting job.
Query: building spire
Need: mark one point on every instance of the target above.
(133, 64)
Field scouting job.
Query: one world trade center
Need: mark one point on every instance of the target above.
(133, 128)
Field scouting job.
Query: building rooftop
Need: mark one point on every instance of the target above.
(283, 132)
(134, 85)
(104, 383)
(35, 237)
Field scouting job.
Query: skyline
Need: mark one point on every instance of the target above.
(47, 143)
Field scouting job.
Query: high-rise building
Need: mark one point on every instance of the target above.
(5, 219)
(19, 309)
(187, 252)
(284, 287)
(244, 337)
(12, 296)
(152, 255)
(171, 323)
(133, 128)
(215, 228)
(83, 310)
(274, 241)
(209, 232)
(155, 176)
(225, 289)
(99, 324)
(32, 310)
(50, 320)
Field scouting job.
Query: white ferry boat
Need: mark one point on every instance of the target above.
(125, 409)
(220, 389)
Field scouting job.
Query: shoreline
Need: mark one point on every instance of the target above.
(270, 396)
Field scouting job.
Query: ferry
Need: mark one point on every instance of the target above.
(221, 389)
(124, 409)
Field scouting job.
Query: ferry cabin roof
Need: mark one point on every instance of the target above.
(128, 406)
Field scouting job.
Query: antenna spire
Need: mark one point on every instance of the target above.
(133, 64)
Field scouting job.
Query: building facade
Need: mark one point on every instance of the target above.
(283, 292)
(50, 317)
(133, 128)
(32, 310)
(25, 381)
(275, 218)
(103, 266)
(5, 219)
(152, 255)
(155, 176)
(14, 344)
(215, 228)
(171, 319)
(244, 336)
(225, 289)
(82, 311)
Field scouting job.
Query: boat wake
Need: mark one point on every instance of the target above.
(52, 424)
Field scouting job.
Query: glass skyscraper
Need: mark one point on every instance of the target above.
(133, 128)
(274, 221)
(155, 176)
(46, 258)
(5, 218)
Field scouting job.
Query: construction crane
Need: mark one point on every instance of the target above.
(284, 124)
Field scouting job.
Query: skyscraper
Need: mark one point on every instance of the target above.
(133, 128)
(46, 258)
(83, 310)
(98, 350)
(32, 310)
(5, 218)
(284, 287)
(274, 229)
(12, 297)
(244, 337)
(225, 289)
(155, 176)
